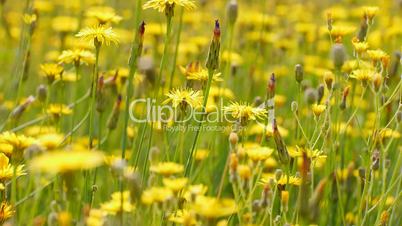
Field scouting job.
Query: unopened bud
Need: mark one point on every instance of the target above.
(310, 95)
(280, 144)
(114, 117)
(299, 73)
(214, 49)
(233, 138)
(338, 55)
(363, 30)
(284, 201)
(278, 174)
(20, 109)
(271, 86)
(329, 21)
(294, 106)
(320, 92)
(100, 95)
(394, 65)
(377, 81)
(41, 93)
(232, 11)
(329, 79)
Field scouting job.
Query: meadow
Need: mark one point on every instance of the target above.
(200, 112)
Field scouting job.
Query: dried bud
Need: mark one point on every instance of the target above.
(329, 21)
(114, 117)
(280, 144)
(338, 55)
(20, 109)
(310, 95)
(394, 66)
(232, 11)
(377, 81)
(375, 160)
(214, 49)
(363, 30)
(41, 93)
(100, 95)
(320, 92)
(271, 86)
(329, 79)
(233, 138)
(299, 73)
(344, 97)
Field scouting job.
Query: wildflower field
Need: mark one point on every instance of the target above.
(200, 112)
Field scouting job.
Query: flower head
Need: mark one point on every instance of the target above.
(244, 112)
(66, 161)
(103, 15)
(51, 71)
(194, 71)
(117, 203)
(156, 195)
(163, 5)
(184, 98)
(167, 168)
(77, 56)
(363, 75)
(58, 110)
(6, 212)
(210, 207)
(7, 170)
(99, 35)
(64, 24)
(318, 109)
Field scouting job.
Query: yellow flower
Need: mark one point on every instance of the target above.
(64, 218)
(360, 47)
(318, 109)
(167, 168)
(184, 98)
(234, 58)
(156, 195)
(341, 30)
(7, 149)
(195, 190)
(19, 142)
(30, 19)
(161, 5)
(96, 217)
(115, 206)
(363, 75)
(77, 56)
(7, 170)
(244, 112)
(296, 181)
(199, 155)
(58, 109)
(50, 141)
(175, 184)
(244, 171)
(210, 207)
(376, 55)
(6, 212)
(51, 71)
(370, 11)
(103, 15)
(64, 24)
(98, 35)
(66, 161)
(259, 153)
(183, 217)
(194, 71)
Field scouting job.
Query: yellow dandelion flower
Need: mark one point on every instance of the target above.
(167, 168)
(194, 71)
(195, 190)
(363, 75)
(359, 47)
(184, 98)
(7, 170)
(7, 149)
(163, 5)
(211, 207)
(114, 206)
(65, 24)
(156, 195)
(259, 153)
(66, 161)
(376, 55)
(284, 180)
(183, 217)
(98, 35)
(103, 14)
(58, 110)
(50, 141)
(234, 58)
(19, 142)
(244, 112)
(51, 71)
(96, 217)
(244, 171)
(199, 155)
(6, 212)
(370, 11)
(175, 184)
(77, 56)
(30, 18)
(318, 109)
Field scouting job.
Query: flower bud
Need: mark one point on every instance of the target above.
(329, 79)
(338, 55)
(344, 97)
(299, 73)
(244, 172)
(114, 117)
(100, 95)
(214, 49)
(233, 138)
(232, 11)
(154, 154)
(320, 92)
(280, 144)
(394, 66)
(377, 81)
(363, 30)
(294, 106)
(310, 95)
(284, 201)
(271, 87)
(375, 160)
(41, 93)
(278, 174)
(20, 109)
